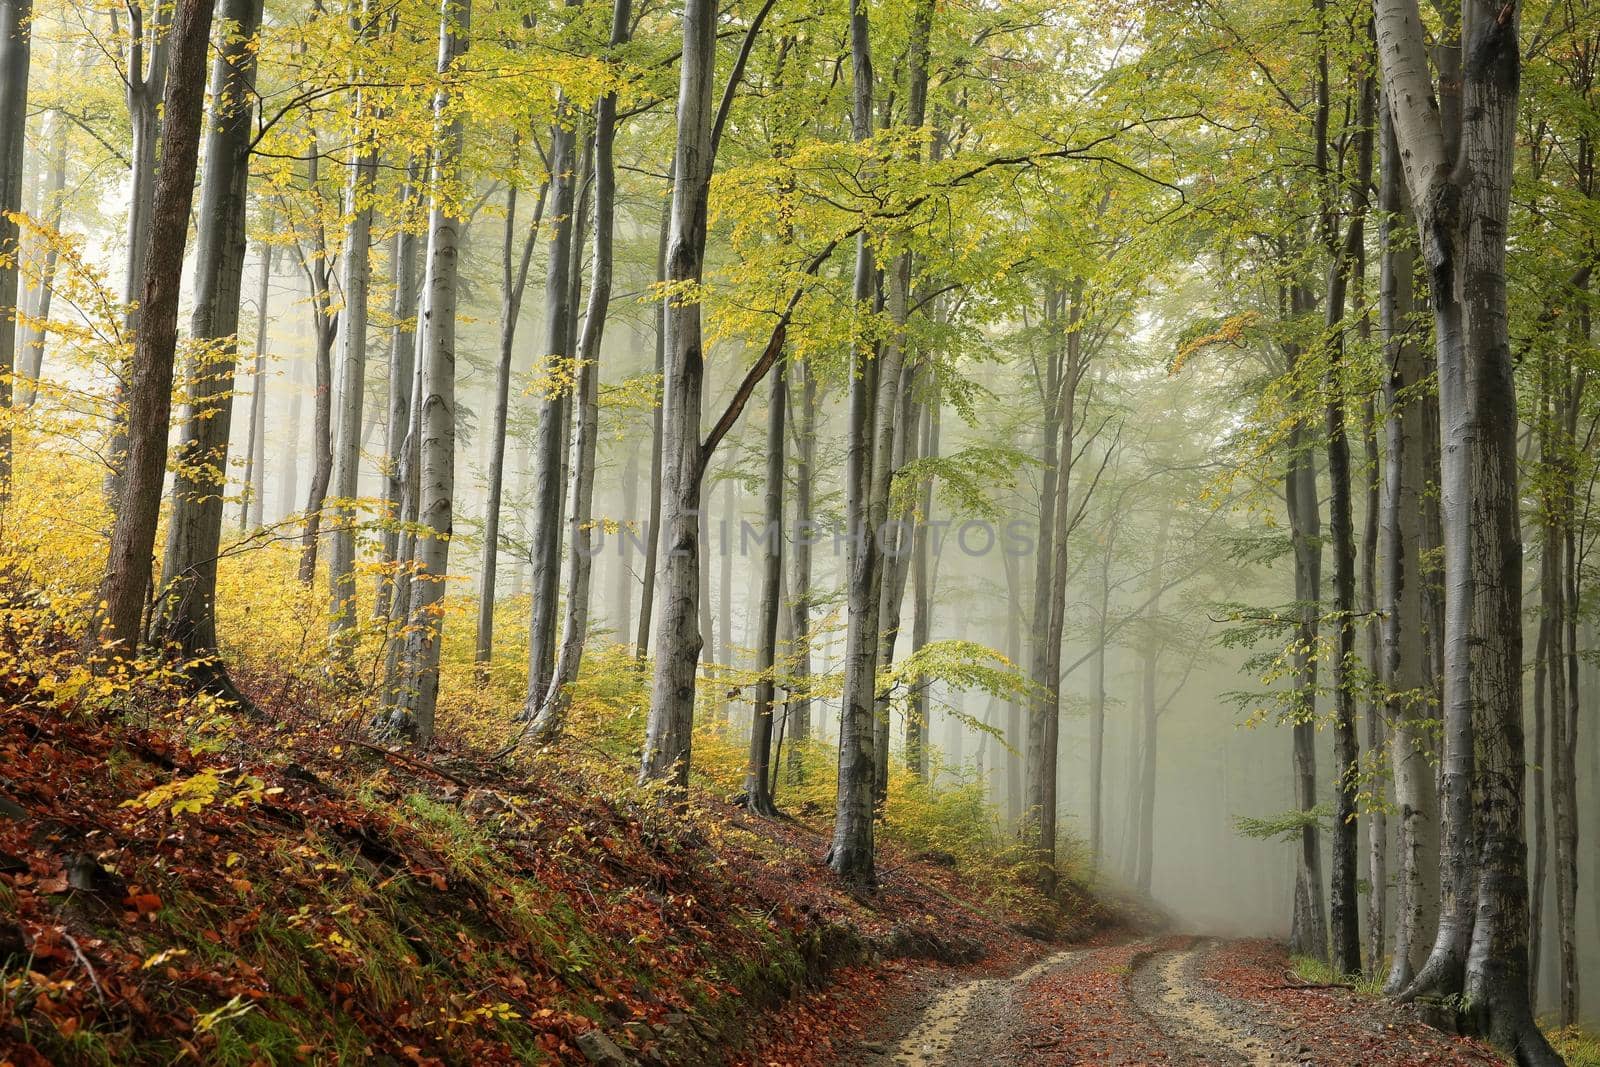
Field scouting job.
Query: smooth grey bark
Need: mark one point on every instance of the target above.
(410, 466)
(15, 58)
(1461, 204)
(144, 77)
(187, 611)
(1376, 715)
(758, 770)
(1408, 693)
(513, 283)
(621, 614)
(545, 527)
(31, 350)
(435, 402)
(1016, 742)
(251, 501)
(551, 715)
(325, 328)
(805, 451)
(653, 531)
(352, 384)
(402, 373)
(851, 854)
(917, 731)
(669, 730)
(149, 396)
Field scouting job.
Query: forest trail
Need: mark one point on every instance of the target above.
(1173, 999)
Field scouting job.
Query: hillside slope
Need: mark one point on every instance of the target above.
(278, 891)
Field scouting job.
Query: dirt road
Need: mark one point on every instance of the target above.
(1173, 1000)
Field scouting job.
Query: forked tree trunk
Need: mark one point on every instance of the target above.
(551, 714)
(545, 527)
(1462, 207)
(149, 399)
(145, 74)
(194, 530)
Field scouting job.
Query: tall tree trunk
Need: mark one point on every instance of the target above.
(1375, 713)
(621, 615)
(31, 364)
(758, 771)
(16, 18)
(436, 400)
(670, 727)
(851, 854)
(513, 282)
(127, 575)
(1344, 258)
(325, 328)
(1462, 207)
(1028, 739)
(652, 527)
(580, 560)
(1044, 721)
(250, 502)
(917, 732)
(545, 528)
(800, 573)
(1150, 674)
(194, 530)
(1308, 933)
(1408, 694)
(145, 75)
(357, 253)
(402, 373)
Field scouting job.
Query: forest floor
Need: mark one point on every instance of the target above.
(178, 882)
(1171, 999)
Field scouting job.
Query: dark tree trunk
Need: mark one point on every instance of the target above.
(16, 17)
(851, 854)
(194, 530)
(758, 771)
(149, 399)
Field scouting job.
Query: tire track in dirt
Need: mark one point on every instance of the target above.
(942, 1030)
(1168, 988)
